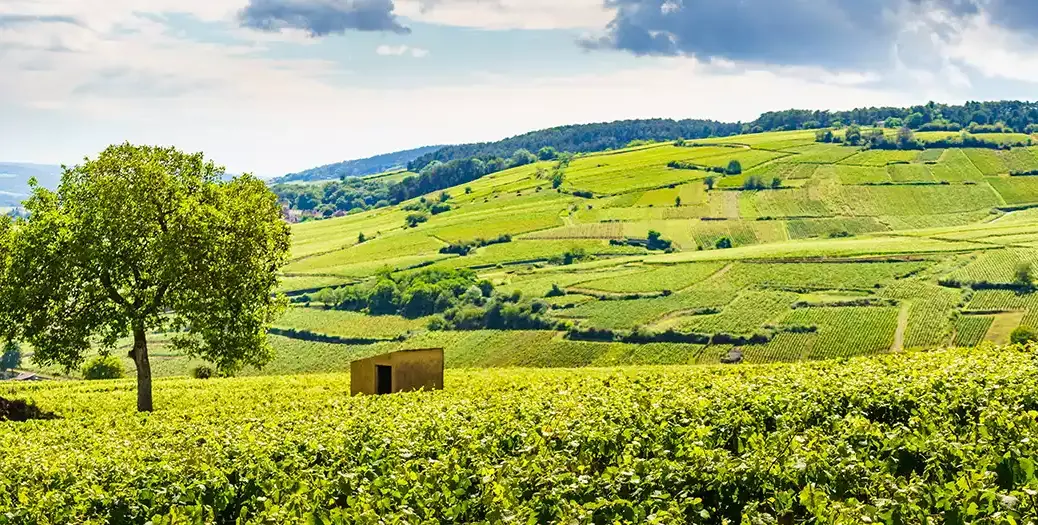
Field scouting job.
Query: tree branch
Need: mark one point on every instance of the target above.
(106, 282)
(160, 294)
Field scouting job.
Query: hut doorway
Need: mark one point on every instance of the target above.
(384, 379)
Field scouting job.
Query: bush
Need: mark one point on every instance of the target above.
(103, 367)
(202, 372)
(414, 219)
(1024, 274)
(734, 168)
(723, 243)
(657, 242)
(755, 183)
(1023, 335)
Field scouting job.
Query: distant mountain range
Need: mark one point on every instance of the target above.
(359, 167)
(14, 180)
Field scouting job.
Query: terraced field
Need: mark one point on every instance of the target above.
(846, 252)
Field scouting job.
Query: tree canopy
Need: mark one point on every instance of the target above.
(145, 239)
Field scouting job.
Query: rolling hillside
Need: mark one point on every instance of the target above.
(851, 253)
(846, 252)
(359, 167)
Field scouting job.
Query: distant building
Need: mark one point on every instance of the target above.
(403, 371)
(27, 376)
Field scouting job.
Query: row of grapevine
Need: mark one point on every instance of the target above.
(747, 314)
(636, 445)
(656, 277)
(930, 311)
(971, 329)
(847, 332)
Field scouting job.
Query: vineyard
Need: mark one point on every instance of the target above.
(798, 243)
(971, 329)
(692, 445)
(674, 277)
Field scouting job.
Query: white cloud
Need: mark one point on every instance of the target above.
(123, 76)
(509, 14)
(275, 116)
(401, 50)
(993, 51)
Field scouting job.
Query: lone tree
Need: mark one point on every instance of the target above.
(1024, 275)
(734, 167)
(145, 239)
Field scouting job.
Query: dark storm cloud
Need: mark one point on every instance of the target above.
(818, 32)
(321, 17)
(829, 33)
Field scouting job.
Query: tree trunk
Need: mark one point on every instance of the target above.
(140, 358)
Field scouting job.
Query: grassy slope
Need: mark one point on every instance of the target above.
(835, 203)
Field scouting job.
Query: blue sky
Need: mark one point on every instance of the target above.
(273, 86)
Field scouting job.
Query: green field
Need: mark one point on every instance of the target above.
(882, 236)
(625, 445)
(874, 242)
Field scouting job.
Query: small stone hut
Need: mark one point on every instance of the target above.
(403, 371)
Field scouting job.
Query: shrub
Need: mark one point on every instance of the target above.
(754, 182)
(723, 243)
(1023, 335)
(202, 372)
(734, 168)
(1024, 274)
(657, 242)
(103, 367)
(414, 219)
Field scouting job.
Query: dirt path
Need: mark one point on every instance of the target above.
(902, 325)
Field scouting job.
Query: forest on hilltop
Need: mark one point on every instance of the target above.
(453, 165)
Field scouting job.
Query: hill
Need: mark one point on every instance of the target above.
(851, 252)
(359, 167)
(1013, 115)
(1008, 122)
(815, 250)
(14, 180)
(922, 437)
(582, 138)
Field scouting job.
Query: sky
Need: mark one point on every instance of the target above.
(277, 86)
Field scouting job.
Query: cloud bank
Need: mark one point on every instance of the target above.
(322, 17)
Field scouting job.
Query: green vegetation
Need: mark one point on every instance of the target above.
(144, 239)
(1023, 335)
(971, 329)
(103, 367)
(296, 450)
(891, 234)
(11, 357)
